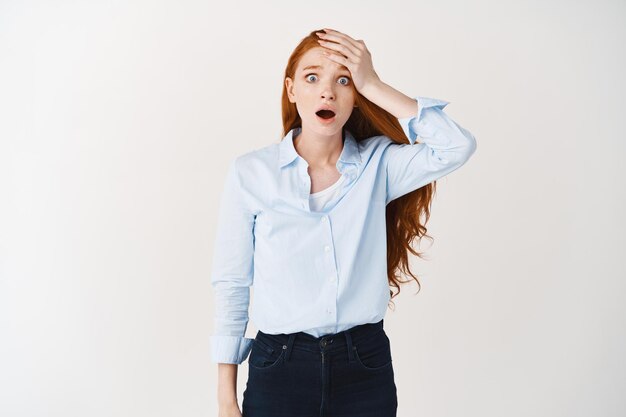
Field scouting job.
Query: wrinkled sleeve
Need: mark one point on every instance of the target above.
(445, 147)
(232, 273)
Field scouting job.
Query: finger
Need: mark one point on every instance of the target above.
(339, 47)
(355, 48)
(340, 59)
(362, 42)
(334, 34)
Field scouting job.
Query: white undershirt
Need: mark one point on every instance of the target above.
(318, 200)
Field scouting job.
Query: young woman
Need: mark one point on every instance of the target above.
(321, 223)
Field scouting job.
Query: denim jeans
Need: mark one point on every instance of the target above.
(349, 373)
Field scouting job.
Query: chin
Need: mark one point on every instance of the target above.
(328, 130)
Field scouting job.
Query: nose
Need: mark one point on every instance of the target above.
(328, 94)
(328, 91)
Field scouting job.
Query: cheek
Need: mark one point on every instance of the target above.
(348, 93)
(348, 102)
(304, 109)
(306, 100)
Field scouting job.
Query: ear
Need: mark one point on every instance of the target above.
(289, 88)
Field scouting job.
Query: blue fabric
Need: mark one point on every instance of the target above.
(318, 272)
(347, 374)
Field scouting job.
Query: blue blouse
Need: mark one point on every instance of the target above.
(318, 272)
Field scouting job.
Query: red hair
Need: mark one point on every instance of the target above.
(404, 214)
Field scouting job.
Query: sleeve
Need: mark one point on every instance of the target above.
(232, 274)
(445, 147)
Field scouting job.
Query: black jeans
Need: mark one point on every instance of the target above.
(349, 373)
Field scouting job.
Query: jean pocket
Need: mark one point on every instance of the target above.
(264, 356)
(374, 353)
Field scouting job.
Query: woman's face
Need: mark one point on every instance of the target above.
(321, 83)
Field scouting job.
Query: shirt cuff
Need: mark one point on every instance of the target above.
(411, 124)
(230, 349)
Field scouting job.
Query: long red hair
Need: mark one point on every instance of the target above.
(403, 215)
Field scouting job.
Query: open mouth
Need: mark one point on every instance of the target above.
(325, 114)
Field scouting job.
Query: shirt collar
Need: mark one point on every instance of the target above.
(287, 152)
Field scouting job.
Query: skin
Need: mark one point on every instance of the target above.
(342, 61)
(339, 56)
(320, 144)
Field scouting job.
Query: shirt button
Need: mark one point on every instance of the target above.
(324, 219)
(332, 279)
(329, 311)
(327, 248)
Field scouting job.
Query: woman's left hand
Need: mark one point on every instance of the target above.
(353, 54)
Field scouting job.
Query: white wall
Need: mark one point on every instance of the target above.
(118, 119)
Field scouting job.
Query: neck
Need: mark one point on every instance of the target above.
(319, 150)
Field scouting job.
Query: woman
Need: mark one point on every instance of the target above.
(320, 223)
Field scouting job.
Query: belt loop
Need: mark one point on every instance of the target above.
(289, 346)
(350, 348)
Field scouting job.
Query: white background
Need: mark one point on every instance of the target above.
(118, 120)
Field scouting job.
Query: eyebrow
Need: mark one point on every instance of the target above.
(319, 67)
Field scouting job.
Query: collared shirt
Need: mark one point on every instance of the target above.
(318, 272)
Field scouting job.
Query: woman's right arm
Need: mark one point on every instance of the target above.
(227, 390)
(231, 278)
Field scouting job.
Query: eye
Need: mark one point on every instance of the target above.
(347, 80)
(308, 75)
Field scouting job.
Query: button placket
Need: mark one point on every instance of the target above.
(329, 311)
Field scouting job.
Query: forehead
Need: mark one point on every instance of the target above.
(314, 57)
